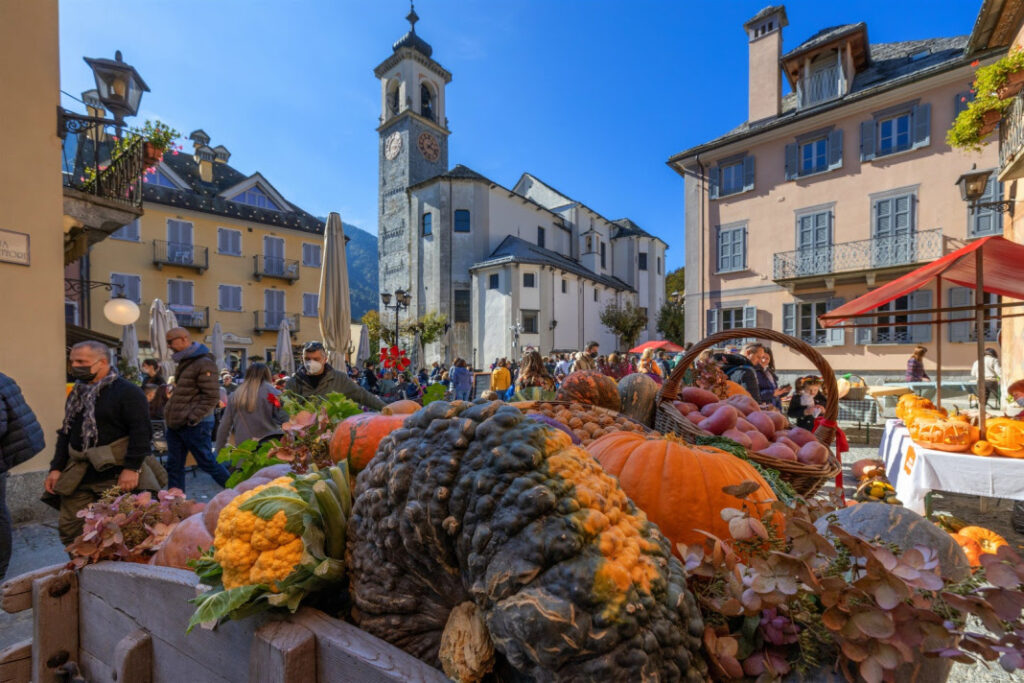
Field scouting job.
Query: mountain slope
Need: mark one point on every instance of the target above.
(361, 253)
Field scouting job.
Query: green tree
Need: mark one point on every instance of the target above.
(675, 281)
(430, 327)
(671, 321)
(374, 331)
(625, 322)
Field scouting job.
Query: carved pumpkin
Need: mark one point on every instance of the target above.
(1006, 436)
(476, 503)
(638, 394)
(941, 434)
(592, 387)
(982, 448)
(989, 540)
(357, 437)
(187, 541)
(402, 407)
(908, 403)
(972, 549)
(680, 486)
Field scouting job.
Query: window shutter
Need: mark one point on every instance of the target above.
(743, 247)
(960, 103)
(791, 161)
(920, 333)
(748, 172)
(836, 336)
(867, 140)
(712, 320)
(960, 331)
(713, 173)
(223, 297)
(750, 316)
(835, 149)
(789, 319)
(921, 120)
(862, 335)
(223, 241)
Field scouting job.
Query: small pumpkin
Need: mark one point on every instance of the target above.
(982, 448)
(357, 437)
(989, 540)
(402, 407)
(187, 541)
(638, 395)
(1006, 436)
(867, 468)
(972, 549)
(680, 486)
(592, 387)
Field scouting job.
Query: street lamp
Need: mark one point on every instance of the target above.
(517, 329)
(402, 299)
(119, 310)
(118, 87)
(972, 188)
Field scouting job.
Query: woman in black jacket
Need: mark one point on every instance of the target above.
(21, 437)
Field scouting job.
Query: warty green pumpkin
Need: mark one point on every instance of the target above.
(474, 503)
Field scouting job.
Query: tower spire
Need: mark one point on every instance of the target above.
(412, 17)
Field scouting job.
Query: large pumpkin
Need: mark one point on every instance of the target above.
(475, 503)
(680, 486)
(357, 437)
(590, 386)
(187, 541)
(904, 528)
(940, 433)
(1006, 435)
(211, 513)
(638, 394)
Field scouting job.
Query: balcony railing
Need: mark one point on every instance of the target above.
(1011, 134)
(89, 167)
(182, 254)
(270, 321)
(275, 266)
(193, 317)
(874, 253)
(820, 86)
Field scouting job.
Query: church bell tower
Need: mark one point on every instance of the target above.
(413, 146)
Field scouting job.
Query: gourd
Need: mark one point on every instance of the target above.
(590, 386)
(401, 407)
(584, 422)
(680, 486)
(989, 540)
(982, 448)
(941, 434)
(357, 437)
(187, 541)
(901, 527)
(1006, 436)
(638, 395)
(475, 503)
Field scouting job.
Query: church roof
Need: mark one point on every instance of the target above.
(411, 40)
(627, 228)
(460, 172)
(517, 250)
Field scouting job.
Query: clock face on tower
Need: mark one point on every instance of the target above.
(393, 145)
(428, 146)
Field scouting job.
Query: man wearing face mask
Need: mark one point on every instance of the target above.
(103, 442)
(317, 378)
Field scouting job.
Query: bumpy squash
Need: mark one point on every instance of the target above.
(638, 395)
(357, 437)
(402, 407)
(590, 386)
(475, 503)
(680, 486)
(187, 541)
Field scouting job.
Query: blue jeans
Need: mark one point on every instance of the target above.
(462, 394)
(198, 440)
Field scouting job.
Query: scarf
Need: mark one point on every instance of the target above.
(82, 400)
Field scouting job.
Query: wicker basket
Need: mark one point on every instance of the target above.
(857, 392)
(805, 479)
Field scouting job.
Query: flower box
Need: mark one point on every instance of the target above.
(1013, 85)
(151, 154)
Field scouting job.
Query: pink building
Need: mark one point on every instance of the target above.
(841, 184)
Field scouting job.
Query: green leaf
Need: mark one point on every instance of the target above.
(214, 606)
(435, 392)
(274, 499)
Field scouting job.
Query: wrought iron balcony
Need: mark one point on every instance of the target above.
(193, 317)
(94, 165)
(1011, 141)
(270, 321)
(275, 266)
(877, 253)
(181, 254)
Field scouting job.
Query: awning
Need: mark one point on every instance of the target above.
(661, 345)
(1002, 267)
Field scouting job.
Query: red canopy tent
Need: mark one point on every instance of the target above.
(656, 345)
(992, 264)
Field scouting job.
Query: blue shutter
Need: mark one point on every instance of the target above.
(921, 123)
(867, 140)
(742, 234)
(792, 169)
(836, 335)
(862, 335)
(748, 172)
(750, 316)
(720, 251)
(960, 331)
(835, 149)
(789, 319)
(713, 173)
(712, 320)
(921, 333)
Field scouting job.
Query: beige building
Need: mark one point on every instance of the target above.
(842, 184)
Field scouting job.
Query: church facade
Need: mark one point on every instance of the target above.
(509, 267)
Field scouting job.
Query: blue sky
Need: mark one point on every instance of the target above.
(590, 96)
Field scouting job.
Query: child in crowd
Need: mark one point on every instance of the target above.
(808, 403)
(1016, 392)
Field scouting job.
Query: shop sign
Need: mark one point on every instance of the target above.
(14, 247)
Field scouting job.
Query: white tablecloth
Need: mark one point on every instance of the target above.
(915, 471)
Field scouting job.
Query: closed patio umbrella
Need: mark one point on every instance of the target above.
(130, 346)
(334, 308)
(217, 346)
(160, 321)
(417, 354)
(285, 358)
(361, 342)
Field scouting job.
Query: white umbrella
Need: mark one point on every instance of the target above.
(217, 344)
(285, 358)
(361, 336)
(447, 341)
(160, 321)
(334, 308)
(130, 346)
(417, 354)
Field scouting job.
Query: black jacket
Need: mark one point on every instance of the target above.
(21, 437)
(739, 370)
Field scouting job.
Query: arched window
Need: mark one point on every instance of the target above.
(393, 97)
(426, 102)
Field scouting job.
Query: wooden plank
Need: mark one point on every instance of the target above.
(133, 658)
(346, 653)
(282, 651)
(16, 663)
(93, 668)
(16, 593)
(55, 624)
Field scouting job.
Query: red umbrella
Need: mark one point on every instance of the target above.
(657, 345)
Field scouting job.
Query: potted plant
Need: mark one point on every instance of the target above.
(994, 85)
(1003, 78)
(157, 139)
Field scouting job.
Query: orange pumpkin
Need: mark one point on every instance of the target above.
(989, 540)
(357, 437)
(187, 541)
(680, 486)
(1006, 436)
(982, 448)
(402, 407)
(940, 434)
(590, 387)
(972, 549)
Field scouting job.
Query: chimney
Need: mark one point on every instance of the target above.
(221, 154)
(764, 32)
(199, 138)
(204, 157)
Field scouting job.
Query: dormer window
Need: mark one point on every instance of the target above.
(158, 178)
(254, 196)
(426, 102)
(824, 80)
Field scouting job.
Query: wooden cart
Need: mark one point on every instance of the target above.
(125, 623)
